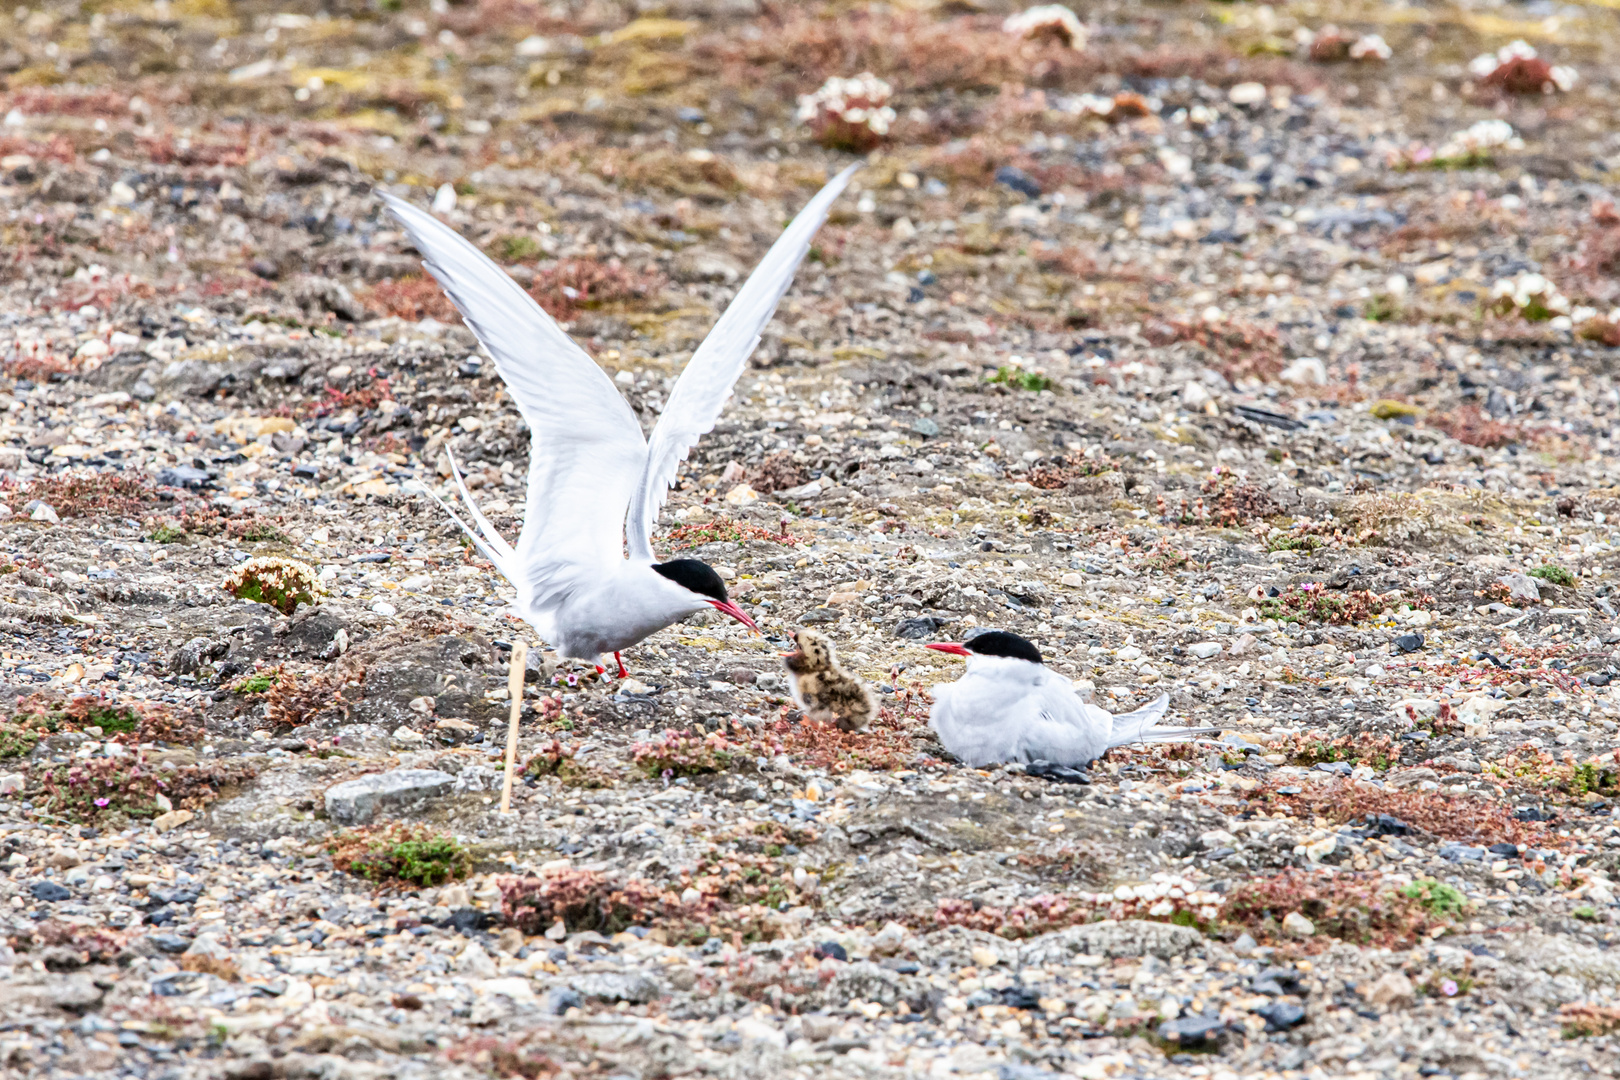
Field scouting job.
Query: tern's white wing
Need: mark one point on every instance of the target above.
(706, 384)
(586, 450)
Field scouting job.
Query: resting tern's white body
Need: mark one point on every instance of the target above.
(1008, 707)
(588, 461)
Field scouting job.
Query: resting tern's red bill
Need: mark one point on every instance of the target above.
(588, 461)
(1009, 707)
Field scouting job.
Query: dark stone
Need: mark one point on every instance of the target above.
(183, 476)
(1455, 852)
(1281, 1015)
(1531, 813)
(1020, 997)
(1286, 981)
(819, 615)
(1060, 774)
(1020, 181)
(1599, 678)
(412, 671)
(923, 626)
(311, 630)
(1382, 825)
(1504, 850)
(1409, 642)
(467, 921)
(49, 892)
(831, 950)
(171, 943)
(562, 999)
(265, 268)
(1192, 1031)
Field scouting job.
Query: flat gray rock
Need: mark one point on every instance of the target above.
(1522, 586)
(633, 987)
(355, 802)
(1130, 938)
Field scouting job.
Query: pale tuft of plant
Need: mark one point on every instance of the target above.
(1048, 21)
(270, 579)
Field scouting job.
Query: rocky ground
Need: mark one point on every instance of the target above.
(1204, 352)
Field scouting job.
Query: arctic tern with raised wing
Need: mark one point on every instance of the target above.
(595, 483)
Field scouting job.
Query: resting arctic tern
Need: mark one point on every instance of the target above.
(588, 462)
(1009, 707)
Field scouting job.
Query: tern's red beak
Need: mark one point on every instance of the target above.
(952, 647)
(735, 612)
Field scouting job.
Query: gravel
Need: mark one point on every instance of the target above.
(1176, 355)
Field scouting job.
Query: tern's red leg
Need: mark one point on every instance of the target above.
(623, 672)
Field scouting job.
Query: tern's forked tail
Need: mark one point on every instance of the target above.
(489, 543)
(1139, 726)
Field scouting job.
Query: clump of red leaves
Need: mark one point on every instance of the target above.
(724, 530)
(559, 761)
(884, 746)
(1031, 918)
(1450, 817)
(1166, 557)
(684, 753)
(296, 699)
(1521, 75)
(412, 298)
(39, 715)
(361, 399)
(91, 789)
(1309, 748)
(505, 1058)
(1062, 472)
(68, 945)
(581, 900)
(777, 473)
(1235, 501)
(1314, 603)
(1350, 907)
(1562, 778)
(90, 494)
(1468, 424)
(569, 286)
(1582, 1020)
(1241, 349)
(802, 47)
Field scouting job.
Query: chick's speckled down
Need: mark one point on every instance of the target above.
(824, 690)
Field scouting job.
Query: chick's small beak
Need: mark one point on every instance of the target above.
(952, 647)
(728, 608)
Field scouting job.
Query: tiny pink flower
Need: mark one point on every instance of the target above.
(103, 802)
(1448, 987)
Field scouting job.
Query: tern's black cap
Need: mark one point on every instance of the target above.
(696, 575)
(1001, 643)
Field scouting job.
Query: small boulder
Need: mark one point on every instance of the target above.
(1393, 990)
(1522, 587)
(358, 801)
